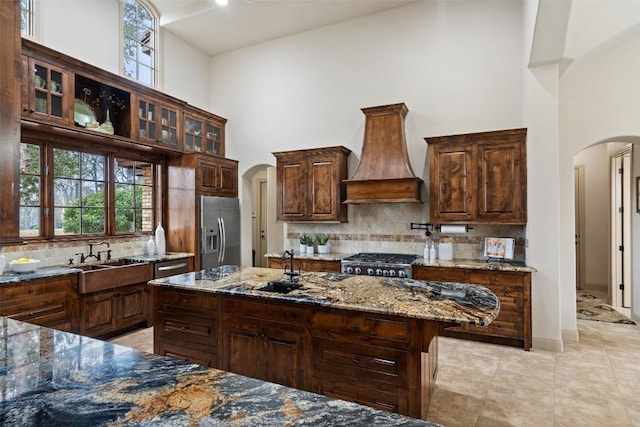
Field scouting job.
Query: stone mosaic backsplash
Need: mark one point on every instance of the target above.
(386, 228)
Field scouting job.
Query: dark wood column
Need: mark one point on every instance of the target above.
(10, 84)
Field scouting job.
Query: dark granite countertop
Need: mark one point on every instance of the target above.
(440, 301)
(9, 276)
(169, 256)
(54, 378)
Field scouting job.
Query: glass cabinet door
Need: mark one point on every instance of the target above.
(169, 123)
(214, 141)
(193, 134)
(47, 92)
(147, 126)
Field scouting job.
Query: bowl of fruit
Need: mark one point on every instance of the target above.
(24, 265)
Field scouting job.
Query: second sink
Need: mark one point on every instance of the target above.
(99, 277)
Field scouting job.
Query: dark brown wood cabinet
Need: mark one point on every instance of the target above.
(203, 132)
(50, 302)
(186, 325)
(107, 313)
(309, 184)
(513, 289)
(189, 177)
(264, 341)
(306, 264)
(478, 178)
(157, 122)
(46, 92)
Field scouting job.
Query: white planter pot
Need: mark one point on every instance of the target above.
(310, 250)
(323, 249)
(303, 248)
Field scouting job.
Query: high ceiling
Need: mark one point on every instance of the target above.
(216, 29)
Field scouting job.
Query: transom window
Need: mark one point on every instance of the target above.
(140, 41)
(69, 193)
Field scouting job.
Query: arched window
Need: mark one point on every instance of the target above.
(139, 42)
(26, 17)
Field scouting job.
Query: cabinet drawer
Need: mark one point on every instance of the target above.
(176, 350)
(501, 327)
(189, 328)
(39, 310)
(358, 393)
(441, 274)
(322, 266)
(496, 278)
(187, 300)
(273, 312)
(363, 325)
(362, 362)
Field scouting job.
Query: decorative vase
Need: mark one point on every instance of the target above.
(151, 247)
(1, 263)
(161, 247)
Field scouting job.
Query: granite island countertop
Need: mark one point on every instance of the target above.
(428, 300)
(55, 378)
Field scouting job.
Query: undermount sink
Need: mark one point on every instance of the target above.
(280, 286)
(100, 277)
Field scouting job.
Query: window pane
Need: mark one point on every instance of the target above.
(92, 221)
(125, 221)
(123, 171)
(30, 190)
(130, 68)
(29, 222)
(65, 191)
(124, 196)
(92, 194)
(145, 56)
(93, 166)
(144, 173)
(66, 221)
(145, 74)
(66, 163)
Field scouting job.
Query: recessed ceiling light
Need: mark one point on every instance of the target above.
(222, 2)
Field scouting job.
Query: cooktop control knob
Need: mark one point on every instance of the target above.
(350, 270)
(378, 272)
(392, 273)
(402, 274)
(370, 271)
(358, 270)
(385, 273)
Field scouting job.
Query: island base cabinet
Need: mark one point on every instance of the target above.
(255, 344)
(361, 393)
(186, 326)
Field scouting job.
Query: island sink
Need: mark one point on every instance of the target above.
(280, 286)
(115, 274)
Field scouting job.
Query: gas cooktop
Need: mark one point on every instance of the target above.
(379, 264)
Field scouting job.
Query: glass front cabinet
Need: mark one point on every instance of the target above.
(158, 123)
(203, 133)
(45, 96)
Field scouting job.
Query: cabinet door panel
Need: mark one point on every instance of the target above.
(293, 189)
(98, 314)
(228, 179)
(452, 183)
(284, 362)
(132, 306)
(209, 176)
(499, 181)
(321, 188)
(241, 351)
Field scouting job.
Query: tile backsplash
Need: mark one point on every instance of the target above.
(59, 253)
(386, 228)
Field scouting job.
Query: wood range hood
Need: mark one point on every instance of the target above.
(384, 174)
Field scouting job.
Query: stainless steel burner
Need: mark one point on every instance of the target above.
(379, 264)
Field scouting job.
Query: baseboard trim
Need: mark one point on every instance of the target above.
(570, 335)
(547, 345)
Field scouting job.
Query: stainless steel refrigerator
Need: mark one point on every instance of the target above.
(219, 231)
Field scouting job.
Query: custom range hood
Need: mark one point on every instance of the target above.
(384, 174)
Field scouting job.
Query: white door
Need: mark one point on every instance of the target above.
(621, 230)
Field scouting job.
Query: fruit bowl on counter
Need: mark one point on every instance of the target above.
(24, 265)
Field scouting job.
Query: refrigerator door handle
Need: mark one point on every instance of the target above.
(223, 238)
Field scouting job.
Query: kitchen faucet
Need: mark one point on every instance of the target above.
(290, 272)
(97, 256)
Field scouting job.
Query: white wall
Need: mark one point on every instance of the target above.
(596, 238)
(598, 103)
(89, 30)
(455, 65)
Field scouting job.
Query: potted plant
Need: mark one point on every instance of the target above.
(309, 245)
(323, 243)
(303, 243)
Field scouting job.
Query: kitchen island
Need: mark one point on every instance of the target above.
(55, 378)
(371, 340)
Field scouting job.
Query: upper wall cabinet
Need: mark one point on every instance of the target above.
(203, 132)
(478, 178)
(310, 186)
(46, 91)
(65, 92)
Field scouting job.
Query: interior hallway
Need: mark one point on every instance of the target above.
(595, 382)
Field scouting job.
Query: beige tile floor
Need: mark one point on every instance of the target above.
(595, 382)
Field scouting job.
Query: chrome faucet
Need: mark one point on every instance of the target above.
(290, 271)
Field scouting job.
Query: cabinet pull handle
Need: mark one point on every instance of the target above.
(30, 290)
(173, 267)
(356, 326)
(184, 328)
(356, 360)
(32, 314)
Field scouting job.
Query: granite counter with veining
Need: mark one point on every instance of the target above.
(54, 378)
(439, 301)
